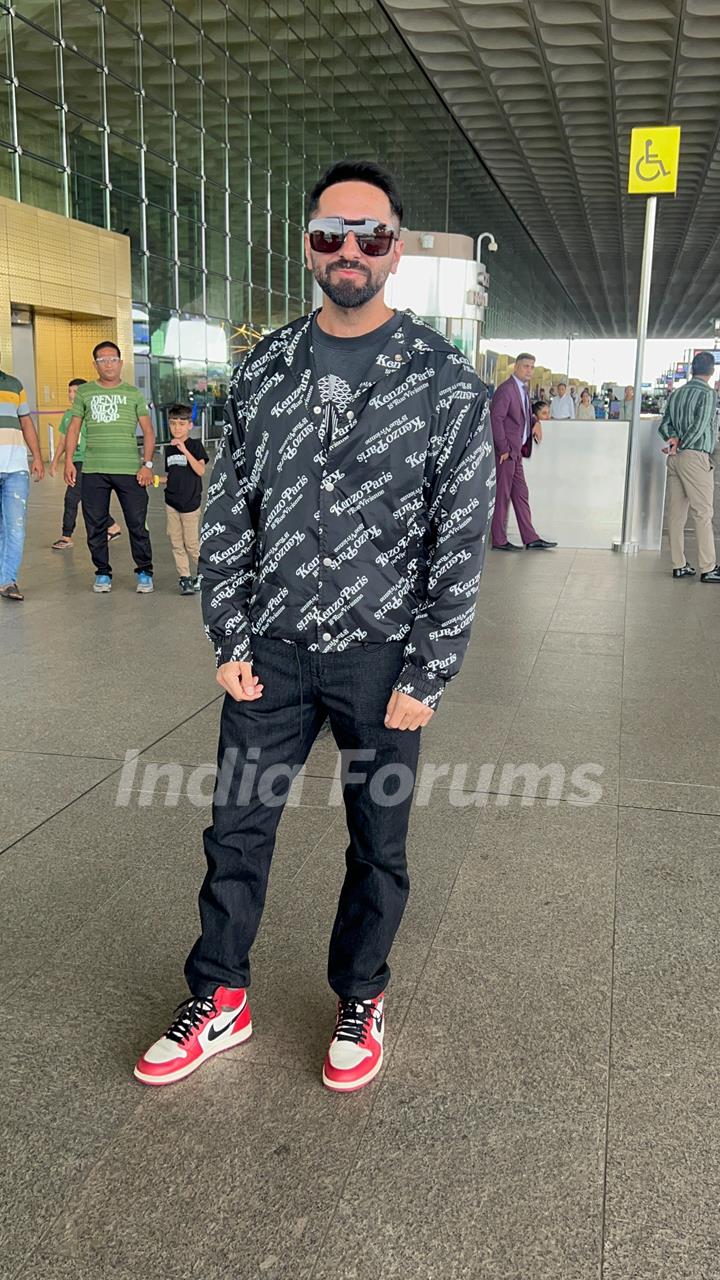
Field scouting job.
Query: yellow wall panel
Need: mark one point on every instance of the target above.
(61, 267)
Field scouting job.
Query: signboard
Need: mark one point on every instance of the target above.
(654, 155)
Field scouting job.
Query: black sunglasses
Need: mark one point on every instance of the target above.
(374, 239)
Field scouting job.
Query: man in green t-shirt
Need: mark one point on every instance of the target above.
(109, 411)
(73, 492)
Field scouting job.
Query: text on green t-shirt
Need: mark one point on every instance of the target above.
(110, 417)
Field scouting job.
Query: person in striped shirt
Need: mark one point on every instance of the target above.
(688, 425)
(17, 435)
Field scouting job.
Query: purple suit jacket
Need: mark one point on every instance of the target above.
(507, 415)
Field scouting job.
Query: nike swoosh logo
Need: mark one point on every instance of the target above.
(214, 1034)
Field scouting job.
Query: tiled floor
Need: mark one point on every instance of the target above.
(548, 1110)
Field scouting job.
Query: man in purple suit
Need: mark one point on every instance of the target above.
(514, 428)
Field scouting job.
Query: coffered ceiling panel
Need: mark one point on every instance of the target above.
(548, 91)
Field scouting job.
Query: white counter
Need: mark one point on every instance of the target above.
(576, 479)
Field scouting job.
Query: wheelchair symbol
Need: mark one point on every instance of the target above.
(650, 167)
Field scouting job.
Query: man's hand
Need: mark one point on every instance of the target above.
(53, 468)
(70, 473)
(537, 433)
(404, 712)
(37, 470)
(237, 679)
(144, 477)
(672, 445)
(504, 457)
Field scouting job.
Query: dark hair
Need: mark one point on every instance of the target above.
(179, 411)
(101, 345)
(357, 171)
(524, 355)
(703, 364)
(539, 404)
(77, 382)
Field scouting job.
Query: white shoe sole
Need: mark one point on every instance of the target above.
(102, 591)
(337, 1086)
(238, 1038)
(144, 591)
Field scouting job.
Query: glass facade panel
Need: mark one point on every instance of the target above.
(221, 118)
(42, 185)
(36, 62)
(39, 126)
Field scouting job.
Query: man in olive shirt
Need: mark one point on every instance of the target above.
(110, 411)
(688, 425)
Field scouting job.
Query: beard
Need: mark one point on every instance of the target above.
(345, 293)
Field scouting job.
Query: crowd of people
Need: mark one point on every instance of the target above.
(99, 444)
(569, 403)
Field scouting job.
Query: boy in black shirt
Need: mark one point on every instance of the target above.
(185, 466)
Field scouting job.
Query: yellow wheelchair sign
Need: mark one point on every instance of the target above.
(654, 155)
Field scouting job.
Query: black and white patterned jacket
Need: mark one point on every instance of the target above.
(365, 524)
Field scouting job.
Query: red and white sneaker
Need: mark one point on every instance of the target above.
(200, 1029)
(356, 1049)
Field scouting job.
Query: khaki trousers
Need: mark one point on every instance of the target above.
(183, 531)
(691, 488)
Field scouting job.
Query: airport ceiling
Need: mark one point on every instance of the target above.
(548, 91)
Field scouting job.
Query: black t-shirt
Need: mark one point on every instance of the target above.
(342, 364)
(183, 490)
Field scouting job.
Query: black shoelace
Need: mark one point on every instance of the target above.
(190, 1014)
(353, 1020)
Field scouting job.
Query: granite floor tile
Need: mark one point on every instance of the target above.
(508, 1028)
(647, 793)
(237, 1145)
(583, 642)
(470, 1189)
(663, 1178)
(606, 616)
(34, 787)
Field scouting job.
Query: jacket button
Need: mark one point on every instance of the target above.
(327, 636)
(328, 485)
(327, 561)
(317, 409)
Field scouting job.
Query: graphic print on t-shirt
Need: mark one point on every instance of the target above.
(106, 408)
(335, 390)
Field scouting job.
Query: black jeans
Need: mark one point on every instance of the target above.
(73, 498)
(300, 688)
(133, 498)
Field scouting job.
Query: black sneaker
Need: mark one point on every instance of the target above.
(186, 587)
(687, 571)
(197, 584)
(713, 575)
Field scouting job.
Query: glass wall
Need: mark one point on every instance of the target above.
(197, 127)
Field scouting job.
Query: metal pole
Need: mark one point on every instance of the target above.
(625, 545)
(567, 375)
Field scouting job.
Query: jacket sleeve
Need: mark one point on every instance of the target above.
(461, 500)
(498, 413)
(228, 540)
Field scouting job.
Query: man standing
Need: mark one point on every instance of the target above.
(341, 555)
(626, 408)
(17, 435)
(514, 427)
(110, 410)
(563, 406)
(688, 425)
